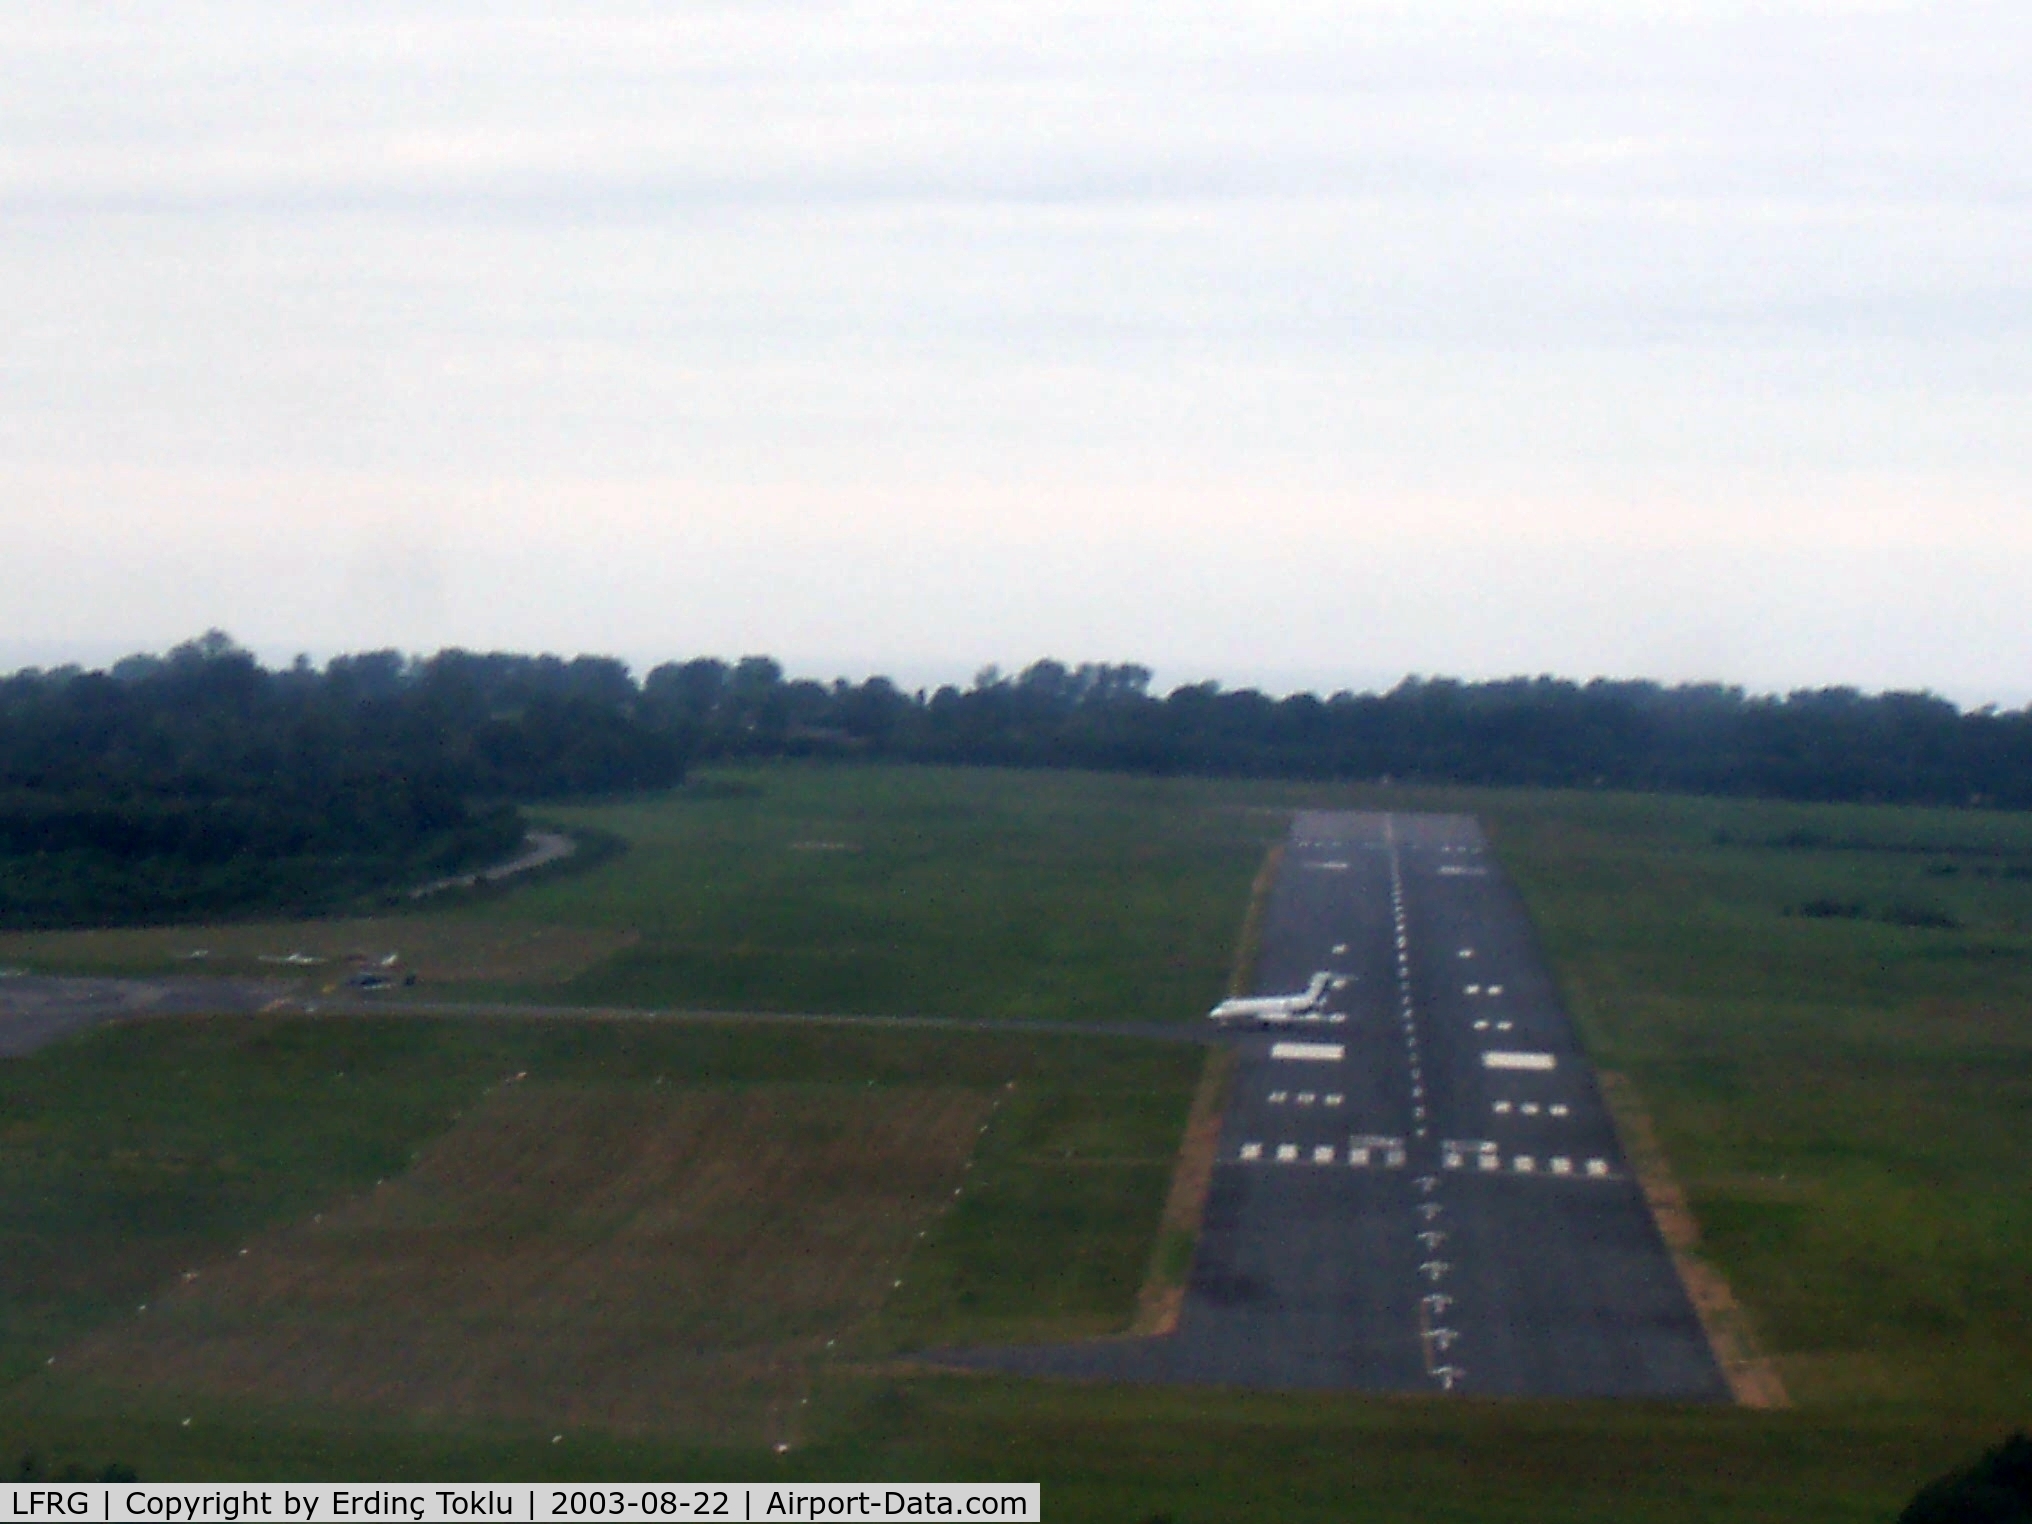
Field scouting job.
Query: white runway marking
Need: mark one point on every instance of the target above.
(1455, 1149)
(1482, 1025)
(1598, 1166)
(1560, 1108)
(1504, 1026)
(1471, 989)
(1306, 1097)
(1361, 1151)
(1495, 989)
(1279, 1097)
(1562, 1166)
(1494, 1059)
(1312, 1052)
(1524, 1164)
(1467, 952)
(1488, 1161)
(1339, 948)
(1529, 1108)
(1501, 1108)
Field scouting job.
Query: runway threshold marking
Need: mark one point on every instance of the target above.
(1362, 1153)
(1488, 1159)
(1309, 1052)
(1497, 1059)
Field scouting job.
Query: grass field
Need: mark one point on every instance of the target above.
(1846, 1100)
(879, 890)
(471, 1224)
(630, 1257)
(1827, 1010)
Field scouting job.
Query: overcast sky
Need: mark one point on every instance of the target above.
(1296, 343)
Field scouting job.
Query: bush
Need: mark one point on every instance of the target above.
(1996, 1490)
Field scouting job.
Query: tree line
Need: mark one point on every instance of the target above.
(200, 783)
(1823, 744)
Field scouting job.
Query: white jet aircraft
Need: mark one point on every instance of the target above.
(1274, 1008)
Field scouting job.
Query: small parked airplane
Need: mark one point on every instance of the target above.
(1274, 1008)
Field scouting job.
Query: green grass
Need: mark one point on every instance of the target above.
(918, 891)
(225, 1125)
(847, 890)
(1848, 1102)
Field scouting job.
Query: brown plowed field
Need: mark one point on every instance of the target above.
(633, 1258)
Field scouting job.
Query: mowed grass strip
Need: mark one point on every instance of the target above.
(137, 1153)
(1053, 1234)
(630, 1258)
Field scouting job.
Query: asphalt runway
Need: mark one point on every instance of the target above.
(36, 1011)
(1419, 1189)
